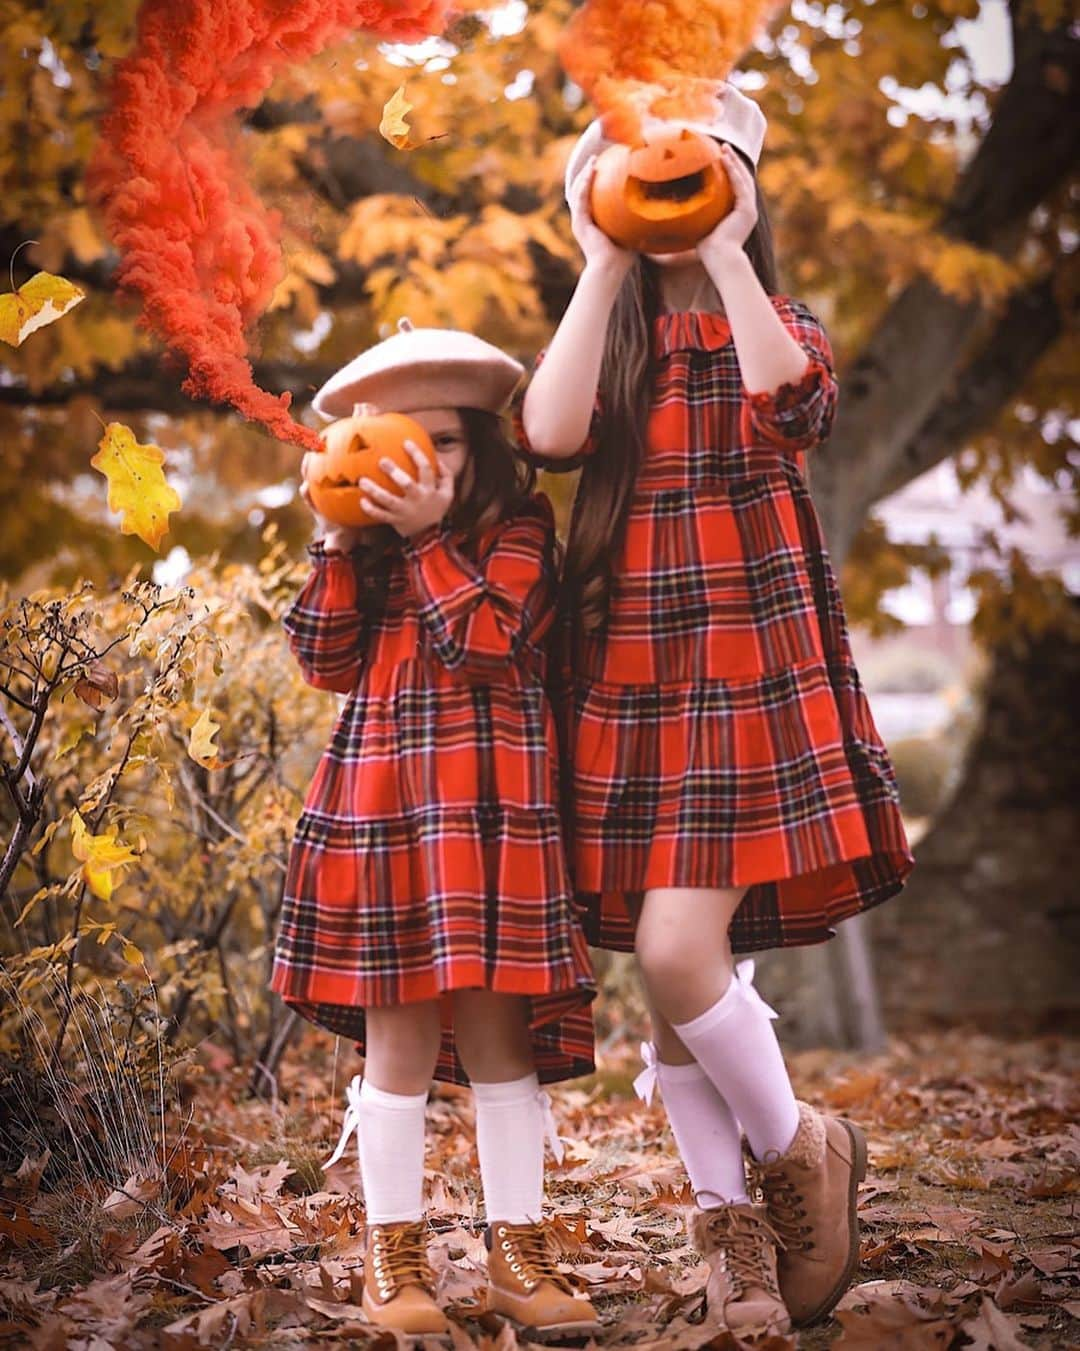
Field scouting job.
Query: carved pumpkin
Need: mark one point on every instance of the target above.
(350, 450)
(664, 195)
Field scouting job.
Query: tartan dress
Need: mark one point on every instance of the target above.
(429, 854)
(716, 731)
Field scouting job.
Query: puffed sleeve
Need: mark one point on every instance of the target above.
(480, 615)
(556, 464)
(798, 415)
(327, 632)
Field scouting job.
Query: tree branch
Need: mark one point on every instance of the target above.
(918, 352)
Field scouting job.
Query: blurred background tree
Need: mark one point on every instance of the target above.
(925, 205)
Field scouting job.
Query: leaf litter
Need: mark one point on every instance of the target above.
(968, 1214)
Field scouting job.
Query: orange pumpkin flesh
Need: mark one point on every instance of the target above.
(664, 195)
(351, 450)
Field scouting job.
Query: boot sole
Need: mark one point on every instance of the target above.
(858, 1172)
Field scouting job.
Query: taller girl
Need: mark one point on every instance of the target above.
(730, 790)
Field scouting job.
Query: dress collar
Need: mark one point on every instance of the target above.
(690, 329)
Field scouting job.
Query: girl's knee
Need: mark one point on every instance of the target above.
(491, 1032)
(402, 1045)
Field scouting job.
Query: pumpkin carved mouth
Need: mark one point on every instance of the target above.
(662, 195)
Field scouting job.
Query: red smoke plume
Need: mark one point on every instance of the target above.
(656, 56)
(195, 240)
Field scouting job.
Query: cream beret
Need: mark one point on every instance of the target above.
(420, 368)
(736, 119)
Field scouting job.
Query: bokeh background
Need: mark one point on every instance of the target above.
(921, 173)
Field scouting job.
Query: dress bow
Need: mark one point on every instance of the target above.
(645, 1083)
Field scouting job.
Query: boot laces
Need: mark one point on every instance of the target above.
(745, 1242)
(528, 1246)
(787, 1209)
(399, 1257)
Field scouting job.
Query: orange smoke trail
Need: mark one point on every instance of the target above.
(195, 240)
(656, 56)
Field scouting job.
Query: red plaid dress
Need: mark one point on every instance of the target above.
(429, 855)
(717, 733)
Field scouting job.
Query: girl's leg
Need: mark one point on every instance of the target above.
(402, 1046)
(684, 951)
(704, 1126)
(492, 1035)
(512, 1118)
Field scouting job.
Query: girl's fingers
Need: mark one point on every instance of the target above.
(403, 480)
(423, 465)
(380, 495)
(376, 513)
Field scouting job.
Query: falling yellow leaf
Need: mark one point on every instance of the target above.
(394, 126)
(201, 746)
(137, 487)
(103, 857)
(40, 301)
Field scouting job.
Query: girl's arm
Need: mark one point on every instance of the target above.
(557, 413)
(327, 632)
(786, 366)
(480, 615)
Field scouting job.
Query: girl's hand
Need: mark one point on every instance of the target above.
(734, 230)
(595, 245)
(334, 537)
(424, 502)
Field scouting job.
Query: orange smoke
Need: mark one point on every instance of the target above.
(662, 57)
(195, 241)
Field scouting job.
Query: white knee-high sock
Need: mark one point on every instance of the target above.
(705, 1131)
(390, 1134)
(734, 1043)
(511, 1122)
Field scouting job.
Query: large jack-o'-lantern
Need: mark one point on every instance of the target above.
(664, 195)
(350, 450)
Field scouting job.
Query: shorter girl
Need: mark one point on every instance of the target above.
(427, 910)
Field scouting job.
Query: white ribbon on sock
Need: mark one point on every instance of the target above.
(744, 981)
(743, 978)
(550, 1128)
(351, 1123)
(645, 1083)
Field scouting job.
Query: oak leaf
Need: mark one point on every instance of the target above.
(40, 301)
(104, 857)
(394, 126)
(137, 486)
(201, 746)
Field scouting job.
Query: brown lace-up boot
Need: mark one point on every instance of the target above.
(811, 1193)
(399, 1286)
(526, 1286)
(740, 1247)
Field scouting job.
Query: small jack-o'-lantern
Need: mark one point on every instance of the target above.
(351, 450)
(664, 195)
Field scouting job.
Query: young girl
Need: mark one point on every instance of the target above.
(427, 909)
(729, 789)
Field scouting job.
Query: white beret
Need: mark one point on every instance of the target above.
(420, 368)
(735, 119)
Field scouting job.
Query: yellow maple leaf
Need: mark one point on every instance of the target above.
(394, 127)
(137, 487)
(40, 301)
(201, 746)
(103, 857)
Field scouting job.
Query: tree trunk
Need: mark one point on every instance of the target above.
(988, 929)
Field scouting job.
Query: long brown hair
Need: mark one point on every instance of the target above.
(498, 483)
(602, 504)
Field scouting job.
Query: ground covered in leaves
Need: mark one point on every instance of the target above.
(969, 1233)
